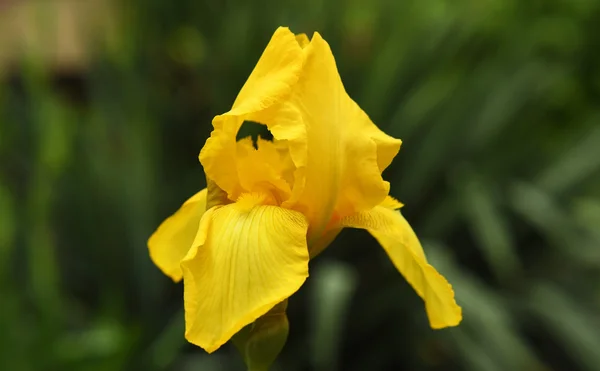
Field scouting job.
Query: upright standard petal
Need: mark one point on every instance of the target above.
(173, 238)
(271, 81)
(402, 246)
(338, 152)
(246, 259)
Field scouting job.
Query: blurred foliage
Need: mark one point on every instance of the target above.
(104, 108)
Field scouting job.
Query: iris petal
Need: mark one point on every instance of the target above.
(173, 238)
(275, 74)
(402, 246)
(246, 259)
(263, 169)
(337, 151)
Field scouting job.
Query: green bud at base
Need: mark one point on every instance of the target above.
(261, 342)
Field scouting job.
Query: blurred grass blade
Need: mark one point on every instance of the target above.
(333, 285)
(442, 218)
(587, 214)
(421, 103)
(504, 103)
(471, 351)
(166, 347)
(7, 231)
(54, 123)
(577, 164)
(539, 209)
(487, 317)
(572, 326)
(489, 226)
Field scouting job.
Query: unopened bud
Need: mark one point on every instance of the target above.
(261, 342)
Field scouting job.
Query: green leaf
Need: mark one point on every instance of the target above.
(573, 326)
(577, 164)
(333, 285)
(488, 225)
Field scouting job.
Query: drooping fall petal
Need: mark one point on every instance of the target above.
(246, 259)
(172, 240)
(402, 246)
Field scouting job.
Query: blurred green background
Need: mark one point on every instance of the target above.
(105, 105)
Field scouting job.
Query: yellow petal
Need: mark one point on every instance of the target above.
(245, 260)
(338, 152)
(173, 238)
(215, 196)
(263, 169)
(369, 151)
(391, 203)
(302, 39)
(271, 81)
(402, 246)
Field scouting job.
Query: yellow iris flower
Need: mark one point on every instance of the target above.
(272, 208)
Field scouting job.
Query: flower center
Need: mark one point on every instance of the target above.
(247, 201)
(264, 165)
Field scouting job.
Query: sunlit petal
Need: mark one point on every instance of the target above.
(402, 246)
(263, 169)
(173, 238)
(275, 74)
(246, 259)
(338, 152)
(302, 39)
